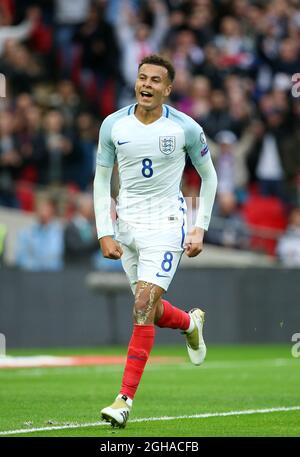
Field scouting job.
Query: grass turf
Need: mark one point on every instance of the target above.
(233, 378)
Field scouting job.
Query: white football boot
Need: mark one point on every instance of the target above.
(194, 340)
(117, 413)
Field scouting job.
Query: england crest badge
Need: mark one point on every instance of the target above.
(167, 144)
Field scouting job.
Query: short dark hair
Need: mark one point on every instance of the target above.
(155, 59)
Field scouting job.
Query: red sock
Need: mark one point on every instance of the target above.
(173, 317)
(139, 349)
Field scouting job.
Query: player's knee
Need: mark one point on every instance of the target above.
(142, 309)
(141, 304)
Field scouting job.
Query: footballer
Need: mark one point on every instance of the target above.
(149, 140)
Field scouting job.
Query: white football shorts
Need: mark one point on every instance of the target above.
(151, 255)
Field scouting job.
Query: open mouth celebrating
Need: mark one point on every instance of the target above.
(146, 95)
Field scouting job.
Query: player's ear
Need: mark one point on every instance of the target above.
(168, 90)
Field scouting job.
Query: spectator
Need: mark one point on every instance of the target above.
(67, 101)
(226, 161)
(177, 21)
(10, 160)
(81, 242)
(288, 59)
(86, 138)
(200, 94)
(41, 38)
(21, 67)
(288, 248)
(186, 54)
(241, 111)
(230, 156)
(266, 157)
(181, 93)
(137, 39)
(236, 48)
(69, 15)
(99, 55)
(40, 247)
(227, 228)
(210, 67)
(291, 164)
(80, 233)
(58, 154)
(218, 117)
(28, 120)
(15, 32)
(200, 21)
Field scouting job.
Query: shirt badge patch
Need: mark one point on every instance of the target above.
(167, 144)
(202, 138)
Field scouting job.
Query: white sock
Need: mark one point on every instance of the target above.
(128, 401)
(191, 326)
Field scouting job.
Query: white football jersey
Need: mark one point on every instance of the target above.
(151, 160)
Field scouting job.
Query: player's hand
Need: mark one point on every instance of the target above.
(194, 242)
(110, 248)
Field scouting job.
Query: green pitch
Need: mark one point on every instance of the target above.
(233, 379)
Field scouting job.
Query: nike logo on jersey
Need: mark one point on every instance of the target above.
(204, 151)
(123, 142)
(161, 276)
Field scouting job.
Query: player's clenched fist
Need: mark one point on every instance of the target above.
(110, 248)
(194, 242)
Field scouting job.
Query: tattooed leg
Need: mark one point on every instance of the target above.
(147, 298)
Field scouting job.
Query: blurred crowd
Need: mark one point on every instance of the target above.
(52, 242)
(69, 63)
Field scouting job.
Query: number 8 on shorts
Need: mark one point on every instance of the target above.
(167, 262)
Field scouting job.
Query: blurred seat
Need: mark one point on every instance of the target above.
(25, 196)
(266, 218)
